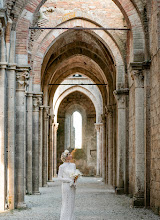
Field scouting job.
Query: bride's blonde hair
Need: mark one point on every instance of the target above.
(64, 155)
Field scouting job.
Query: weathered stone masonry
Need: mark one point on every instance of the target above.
(123, 117)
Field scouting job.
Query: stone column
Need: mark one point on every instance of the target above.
(55, 128)
(137, 74)
(22, 82)
(41, 138)
(99, 141)
(3, 123)
(11, 75)
(50, 152)
(11, 133)
(104, 147)
(109, 112)
(29, 124)
(37, 102)
(45, 146)
(106, 139)
(147, 132)
(114, 145)
(120, 96)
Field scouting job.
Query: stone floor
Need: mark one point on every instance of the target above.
(94, 200)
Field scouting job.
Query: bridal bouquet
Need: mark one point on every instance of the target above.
(75, 176)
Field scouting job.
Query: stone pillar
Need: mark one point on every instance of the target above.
(11, 133)
(22, 82)
(147, 132)
(11, 75)
(106, 137)
(104, 147)
(55, 128)
(29, 124)
(98, 127)
(137, 74)
(50, 152)
(114, 144)
(41, 138)
(45, 146)
(109, 112)
(37, 102)
(3, 123)
(120, 96)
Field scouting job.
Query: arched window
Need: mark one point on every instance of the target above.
(77, 124)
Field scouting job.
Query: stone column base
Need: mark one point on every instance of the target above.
(138, 202)
(36, 193)
(119, 191)
(21, 205)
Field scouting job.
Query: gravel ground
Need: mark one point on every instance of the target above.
(94, 201)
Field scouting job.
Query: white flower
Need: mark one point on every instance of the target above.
(76, 174)
(66, 152)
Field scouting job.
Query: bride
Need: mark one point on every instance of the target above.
(66, 175)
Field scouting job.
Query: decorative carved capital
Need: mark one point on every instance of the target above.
(37, 101)
(137, 72)
(138, 77)
(22, 76)
(46, 111)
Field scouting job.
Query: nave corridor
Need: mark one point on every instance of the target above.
(91, 204)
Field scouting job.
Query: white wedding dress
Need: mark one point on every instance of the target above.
(68, 190)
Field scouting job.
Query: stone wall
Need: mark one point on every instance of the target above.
(155, 108)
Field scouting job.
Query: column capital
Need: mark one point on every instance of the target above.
(137, 73)
(22, 76)
(138, 77)
(98, 126)
(120, 96)
(37, 101)
(46, 110)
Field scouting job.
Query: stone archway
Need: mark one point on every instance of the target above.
(88, 113)
(106, 57)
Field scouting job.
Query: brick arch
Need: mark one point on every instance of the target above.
(127, 8)
(91, 70)
(107, 40)
(98, 104)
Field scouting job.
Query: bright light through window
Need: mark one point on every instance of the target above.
(77, 124)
